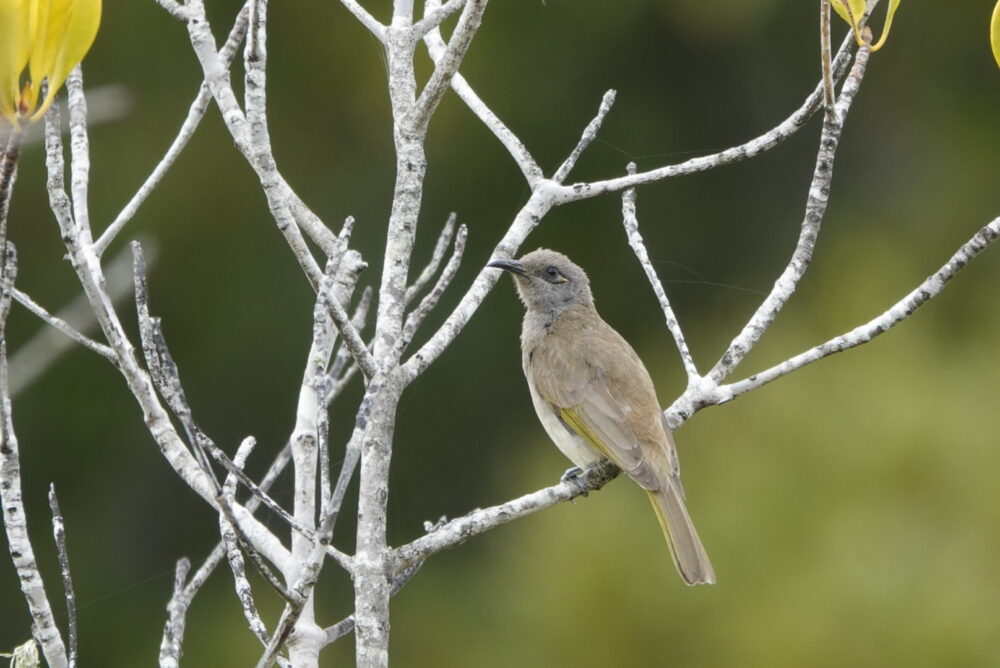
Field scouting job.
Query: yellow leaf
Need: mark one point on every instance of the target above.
(893, 5)
(62, 43)
(851, 11)
(995, 33)
(14, 38)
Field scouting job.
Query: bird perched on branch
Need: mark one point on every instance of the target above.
(595, 398)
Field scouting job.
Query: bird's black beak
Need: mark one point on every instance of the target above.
(512, 266)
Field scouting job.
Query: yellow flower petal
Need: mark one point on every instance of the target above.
(14, 36)
(995, 33)
(65, 32)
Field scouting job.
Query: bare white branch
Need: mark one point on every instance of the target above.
(749, 149)
(366, 19)
(526, 220)
(59, 534)
(8, 174)
(589, 135)
(338, 375)
(175, 8)
(402, 12)
(89, 272)
(62, 326)
(440, 247)
(459, 530)
(819, 193)
(547, 194)
(34, 357)
(434, 18)
(352, 340)
(431, 299)
(378, 570)
(825, 55)
(173, 632)
(173, 629)
(250, 136)
(518, 151)
(259, 146)
(195, 113)
(447, 65)
(15, 523)
(904, 308)
(243, 590)
(79, 149)
(346, 625)
(639, 248)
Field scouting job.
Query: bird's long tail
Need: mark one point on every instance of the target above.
(685, 547)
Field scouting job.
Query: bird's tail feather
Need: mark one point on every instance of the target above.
(685, 547)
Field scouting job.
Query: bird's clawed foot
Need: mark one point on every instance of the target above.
(574, 476)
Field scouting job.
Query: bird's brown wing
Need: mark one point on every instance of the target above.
(589, 396)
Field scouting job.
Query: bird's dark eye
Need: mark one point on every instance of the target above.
(553, 275)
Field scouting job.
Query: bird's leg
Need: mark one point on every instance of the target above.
(574, 475)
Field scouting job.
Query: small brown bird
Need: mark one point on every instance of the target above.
(595, 398)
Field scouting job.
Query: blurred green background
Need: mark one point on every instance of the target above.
(851, 509)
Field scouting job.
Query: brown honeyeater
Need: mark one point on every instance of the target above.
(595, 398)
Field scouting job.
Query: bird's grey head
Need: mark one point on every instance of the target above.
(548, 281)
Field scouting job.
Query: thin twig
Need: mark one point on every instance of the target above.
(589, 135)
(287, 208)
(235, 470)
(448, 63)
(346, 625)
(15, 523)
(337, 373)
(904, 308)
(173, 629)
(167, 380)
(62, 326)
(825, 55)
(162, 368)
(459, 530)
(79, 151)
(8, 175)
(59, 533)
(173, 632)
(434, 18)
(819, 193)
(36, 355)
(440, 247)
(259, 151)
(639, 248)
(309, 568)
(244, 592)
(174, 8)
(515, 147)
(547, 194)
(195, 113)
(88, 270)
(524, 222)
(352, 340)
(760, 144)
(366, 19)
(431, 299)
